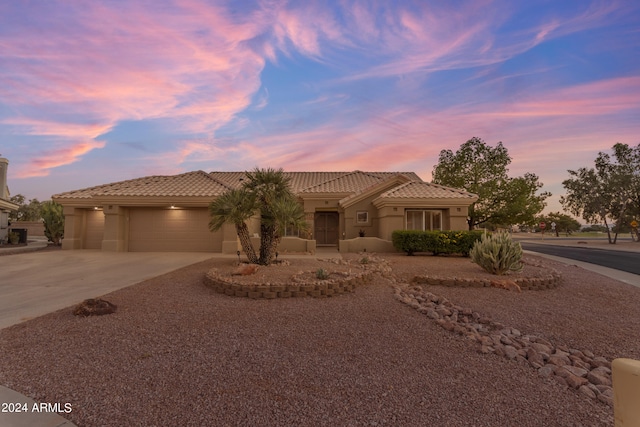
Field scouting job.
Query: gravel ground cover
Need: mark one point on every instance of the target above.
(177, 353)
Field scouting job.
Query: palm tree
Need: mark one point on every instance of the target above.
(266, 191)
(271, 189)
(285, 212)
(235, 206)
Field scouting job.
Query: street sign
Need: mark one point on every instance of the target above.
(553, 225)
(542, 225)
(634, 224)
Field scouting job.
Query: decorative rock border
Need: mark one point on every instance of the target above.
(580, 370)
(296, 288)
(525, 283)
(298, 285)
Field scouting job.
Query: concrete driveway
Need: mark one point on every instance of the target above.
(37, 283)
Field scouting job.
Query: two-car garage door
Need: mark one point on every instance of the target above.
(174, 230)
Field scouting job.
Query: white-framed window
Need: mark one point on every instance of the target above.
(362, 217)
(423, 219)
(290, 231)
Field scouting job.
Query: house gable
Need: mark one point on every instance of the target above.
(419, 194)
(383, 185)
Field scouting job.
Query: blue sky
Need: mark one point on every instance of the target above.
(95, 92)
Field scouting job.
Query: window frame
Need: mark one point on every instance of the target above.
(359, 221)
(427, 219)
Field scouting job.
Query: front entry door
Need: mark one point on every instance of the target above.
(326, 225)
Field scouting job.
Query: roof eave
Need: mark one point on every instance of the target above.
(7, 205)
(419, 202)
(137, 201)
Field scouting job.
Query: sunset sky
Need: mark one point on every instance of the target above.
(94, 92)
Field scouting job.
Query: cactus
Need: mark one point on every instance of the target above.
(497, 253)
(322, 274)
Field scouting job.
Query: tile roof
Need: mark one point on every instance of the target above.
(321, 182)
(346, 183)
(421, 189)
(298, 180)
(196, 184)
(202, 184)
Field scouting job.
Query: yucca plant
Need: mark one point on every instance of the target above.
(322, 274)
(497, 253)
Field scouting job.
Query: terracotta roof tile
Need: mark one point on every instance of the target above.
(421, 189)
(194, 184)
(202, 184)
(347, 183)
(319, 182)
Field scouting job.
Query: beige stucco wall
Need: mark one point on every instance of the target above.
(34, 228)
(391, 219)
(458, 218)
(351, 225)
(74, 227)
(366, 244)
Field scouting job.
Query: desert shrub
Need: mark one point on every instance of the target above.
(497, 253)
(322, 274)
(436, 242)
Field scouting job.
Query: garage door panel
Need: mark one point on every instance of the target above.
(175, 230)
(94, 229)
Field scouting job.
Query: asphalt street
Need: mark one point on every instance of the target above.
(619, 260)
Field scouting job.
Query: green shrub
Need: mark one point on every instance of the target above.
(497, 253)
(436, 242)
(53, 218)
(13, 238)
(322, 274)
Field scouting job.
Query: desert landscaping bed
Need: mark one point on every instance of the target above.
(286, 279)
(177, 352)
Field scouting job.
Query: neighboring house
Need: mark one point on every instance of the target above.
(6, 205)
(169, 213)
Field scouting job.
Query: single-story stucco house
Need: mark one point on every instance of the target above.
(6, 206)
(170, 213)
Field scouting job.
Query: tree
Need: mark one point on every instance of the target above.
(564, 223)
(235, 206)
(482, 170)
(267, 192)
(609, 192)
(53, 221)
(26, 211)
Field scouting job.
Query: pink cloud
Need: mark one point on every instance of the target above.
(594, 98)
(41, 164)
(107, 65)
(198, 65)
